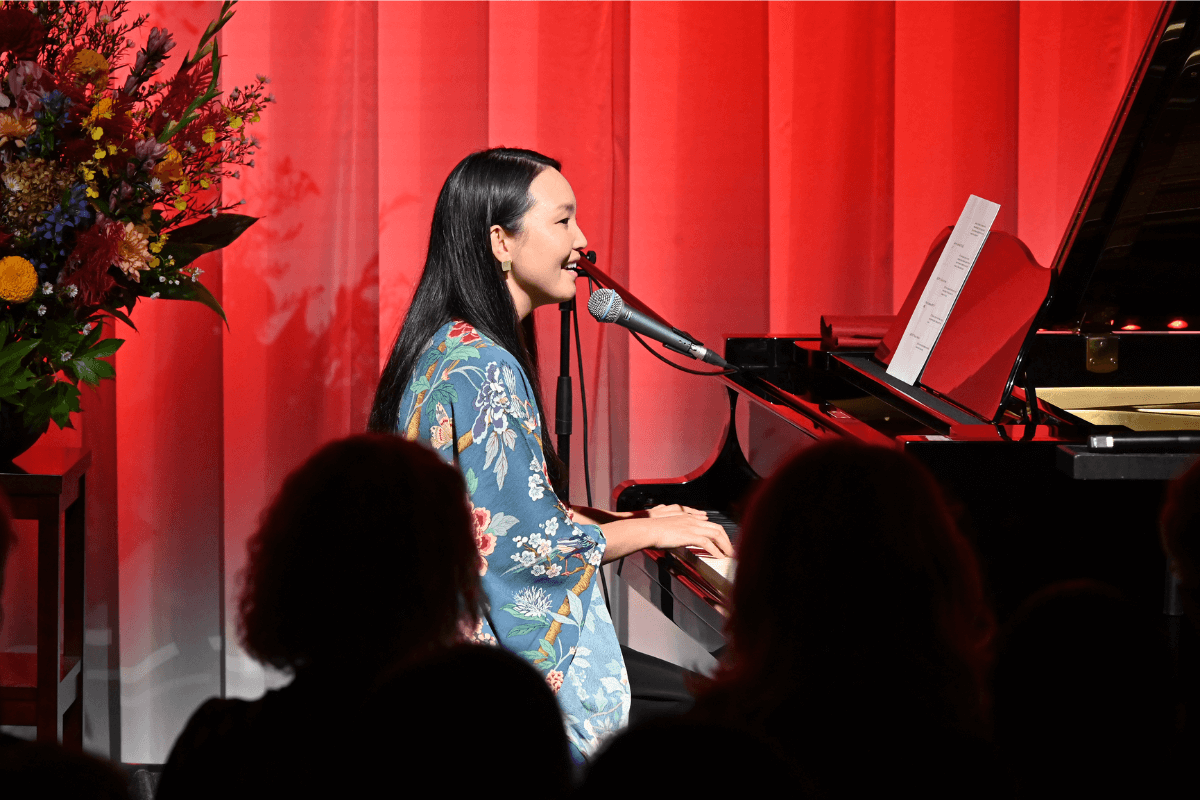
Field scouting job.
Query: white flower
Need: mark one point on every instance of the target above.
(532, 602)
(65, 355)
(154, 296)
(72, 290)
(554, 570)
(525, 558)
(551, 527)
(86, 329)
(162, 278)
(41, 311)
(593, 556)
(47, 288)
(262, 78)
(156, 186)
(543, 548)
(536, 492)
(539, 569)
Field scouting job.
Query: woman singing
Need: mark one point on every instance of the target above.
(462, 378)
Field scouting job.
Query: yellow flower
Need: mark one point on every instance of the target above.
(18, 279)
(99, 154)
(92, 192)
(97, 133)
(92, 67)
(209, 135)
(102, 110)
(181, 204)
(171, 167)
(13, 125)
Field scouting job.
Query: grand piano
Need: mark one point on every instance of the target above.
(1056, 458)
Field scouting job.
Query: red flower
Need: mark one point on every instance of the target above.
(21, 33)
(555, 680)
(87, 267)
(464, 330)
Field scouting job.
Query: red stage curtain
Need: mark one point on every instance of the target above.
(742, 167)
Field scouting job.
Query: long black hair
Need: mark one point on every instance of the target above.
(462, 278)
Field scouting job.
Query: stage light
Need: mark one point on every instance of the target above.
(1131, 327)
(1177, 324)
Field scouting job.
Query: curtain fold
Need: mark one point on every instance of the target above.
(742, 167)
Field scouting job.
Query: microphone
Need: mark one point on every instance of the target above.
(607, 306)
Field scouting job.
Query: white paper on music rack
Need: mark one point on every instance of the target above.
(941, 292)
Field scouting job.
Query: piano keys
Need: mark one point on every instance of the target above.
(1114, 347)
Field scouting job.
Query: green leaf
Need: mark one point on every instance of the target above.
(105, 348)
(533, 656)
(211, 232)
(192, 290)
(84, 370)
(17, 350)
(56, 403)
(443, 393)
(419, 385)
(121, 315)
(549, 648)
(428, 360)
(527, 628)
(576, 606)
(184, 253)
(564, 620)
(462, 353)
(91, 370)
(472, 481)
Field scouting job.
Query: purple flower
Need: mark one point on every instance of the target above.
(149, 59)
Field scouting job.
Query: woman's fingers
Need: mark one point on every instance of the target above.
(676, 509)
(682, 530)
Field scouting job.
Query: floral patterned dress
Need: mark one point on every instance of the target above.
(471, 401)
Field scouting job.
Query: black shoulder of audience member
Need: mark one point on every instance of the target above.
(362, 580)
(1084, 699)
(859, 634)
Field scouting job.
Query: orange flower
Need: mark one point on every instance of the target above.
(18, 279)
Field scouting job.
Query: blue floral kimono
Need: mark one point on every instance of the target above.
(471, 401)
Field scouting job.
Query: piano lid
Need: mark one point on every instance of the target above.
(1131, 254)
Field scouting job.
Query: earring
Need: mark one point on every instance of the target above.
(506, 266)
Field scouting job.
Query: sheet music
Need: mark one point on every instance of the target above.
(941, 292)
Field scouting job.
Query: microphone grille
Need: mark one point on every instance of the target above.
(605, 305)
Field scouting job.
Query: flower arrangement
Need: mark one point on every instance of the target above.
(109, 188)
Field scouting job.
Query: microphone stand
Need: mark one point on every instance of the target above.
(563, 400)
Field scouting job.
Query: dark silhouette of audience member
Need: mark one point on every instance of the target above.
(1083, 696)
(859, 634)
(36, 769)
(362, 580)
(1180, 526)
